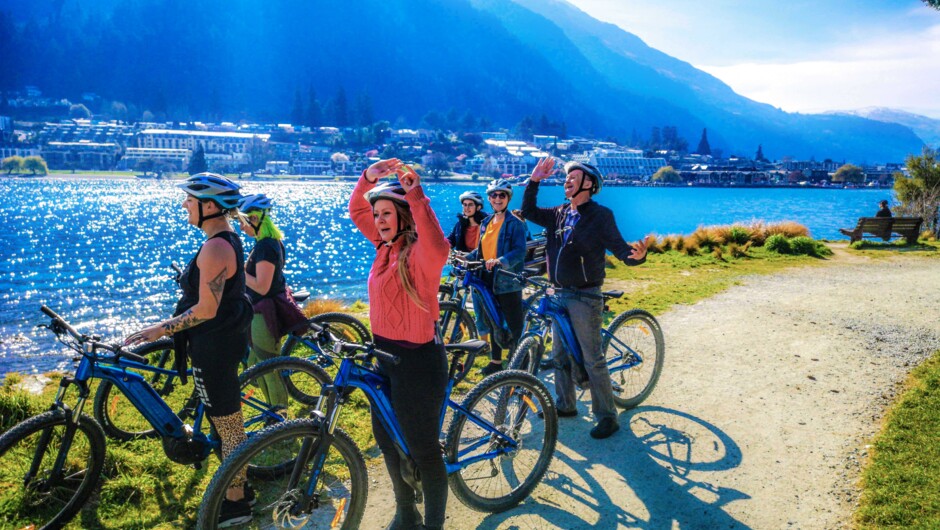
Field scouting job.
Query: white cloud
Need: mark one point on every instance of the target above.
(900, 72)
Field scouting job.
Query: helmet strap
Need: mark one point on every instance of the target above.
(257, 227)
(581, 187)
(203, 218)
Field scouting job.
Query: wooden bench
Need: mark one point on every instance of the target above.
(884, 227)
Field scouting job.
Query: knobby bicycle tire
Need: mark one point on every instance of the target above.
(632, 333)
(456, 324)
(344, 484)
(518, 404)
(40, 504)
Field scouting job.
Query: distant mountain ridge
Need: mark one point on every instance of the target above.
(927, 128)
(499, 59)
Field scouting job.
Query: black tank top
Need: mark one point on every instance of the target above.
(232, 304)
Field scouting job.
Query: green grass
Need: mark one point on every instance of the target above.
(674, 277)
(902, 481)
(877, 249)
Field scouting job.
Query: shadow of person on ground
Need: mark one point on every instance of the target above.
(642, 477)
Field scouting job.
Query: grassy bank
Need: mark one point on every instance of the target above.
(902, 481)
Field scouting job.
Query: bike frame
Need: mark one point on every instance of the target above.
(549, 310)
(352, 375)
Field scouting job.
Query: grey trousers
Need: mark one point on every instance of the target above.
(586, 316)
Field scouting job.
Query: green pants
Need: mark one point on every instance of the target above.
(263, 347)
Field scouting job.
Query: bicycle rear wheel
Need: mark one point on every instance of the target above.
(119, 418)
(341, 490)
(634, 349)
(32, 494)
(280, 389)
(345, 327)
(506, 473)
(456, 324)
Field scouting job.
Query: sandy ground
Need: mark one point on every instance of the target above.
(771, 392)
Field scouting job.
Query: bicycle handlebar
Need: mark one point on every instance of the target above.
(58, 323)
(369, 349)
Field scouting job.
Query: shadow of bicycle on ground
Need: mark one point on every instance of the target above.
(653, 474)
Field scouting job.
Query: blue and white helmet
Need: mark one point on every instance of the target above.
(499, 185)
(389, 190)
(213, 187)
(257, 201)
(473, 196)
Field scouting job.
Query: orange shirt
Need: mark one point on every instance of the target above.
(488, 241)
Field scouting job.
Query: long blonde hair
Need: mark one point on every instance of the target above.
(408, 235)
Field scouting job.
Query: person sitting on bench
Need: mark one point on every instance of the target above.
(884, 211)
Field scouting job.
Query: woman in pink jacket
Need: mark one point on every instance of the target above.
(410, 254)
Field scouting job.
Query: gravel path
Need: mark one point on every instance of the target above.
(769, 395)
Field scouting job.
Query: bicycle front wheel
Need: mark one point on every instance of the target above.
(528, 355)
(35, 490)
(345, 327)
(634, 349)
(495, 473)
(456, 324)
(119, 418)
(341, 489)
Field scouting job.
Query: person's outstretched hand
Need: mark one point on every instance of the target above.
(543, 169)
(639, 248)
(382, 169)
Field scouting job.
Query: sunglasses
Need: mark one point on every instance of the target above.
(498, 195)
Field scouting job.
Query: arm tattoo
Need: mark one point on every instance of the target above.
(181, 322)
(217, 285)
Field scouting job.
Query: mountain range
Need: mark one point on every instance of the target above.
(499, 59)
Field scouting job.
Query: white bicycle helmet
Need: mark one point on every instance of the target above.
(389, 190)
(213, 187)
(597, 181)
(499, 185)
(473, 196)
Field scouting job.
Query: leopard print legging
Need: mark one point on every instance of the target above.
(231, 431)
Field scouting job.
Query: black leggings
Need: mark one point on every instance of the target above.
(511, 306)
(417, 388)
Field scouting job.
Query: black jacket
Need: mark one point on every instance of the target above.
(456, 236)
(581, 262)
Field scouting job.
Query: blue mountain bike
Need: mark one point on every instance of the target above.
(632, 344)
(499, 443)
(50, 464)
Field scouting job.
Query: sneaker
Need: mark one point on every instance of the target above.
(491, 368)
(234, 513)
(605, 428)
(250, 495)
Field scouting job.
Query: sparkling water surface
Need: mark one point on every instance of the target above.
(98, 251)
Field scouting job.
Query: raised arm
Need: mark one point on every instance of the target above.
(360, 211)
(433, 247)
(544, 217)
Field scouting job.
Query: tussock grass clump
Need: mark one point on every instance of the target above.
(690, 247)
(655, 245)
(927, 235)
(778, 243)
(789, 229)
(706, 238)
(737, 234)
(738, 251)
(325, 305)
(718, 254)
(17, 404)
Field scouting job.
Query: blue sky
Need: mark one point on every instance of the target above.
(801, 56)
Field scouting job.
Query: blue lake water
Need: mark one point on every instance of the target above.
(99, 251)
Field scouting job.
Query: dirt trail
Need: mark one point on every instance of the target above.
(770, 393)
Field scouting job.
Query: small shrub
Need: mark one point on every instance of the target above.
(778, 243)
(325, 305)
(718, 254)
(802, 245)
(738, 234)
(679, 243)
(690, 247)
(758, 232)
(927, 235)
